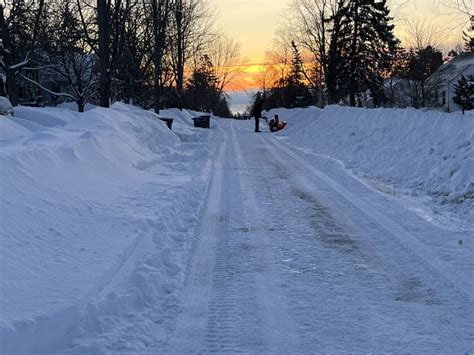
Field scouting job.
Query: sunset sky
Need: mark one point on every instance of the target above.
(252, 23)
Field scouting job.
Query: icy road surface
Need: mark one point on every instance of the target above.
(296, 257)
(293, 255)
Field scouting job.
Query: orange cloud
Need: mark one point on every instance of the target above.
(247, 78)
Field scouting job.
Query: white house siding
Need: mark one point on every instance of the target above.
(440, 85)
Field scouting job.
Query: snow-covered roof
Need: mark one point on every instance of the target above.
(452, 69)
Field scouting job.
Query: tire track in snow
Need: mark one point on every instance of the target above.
(280, 329)
(219, 311)
(410, 281)
(233, 324)
(464, 286)
(191, 324)
(313, 284)
(431, 323)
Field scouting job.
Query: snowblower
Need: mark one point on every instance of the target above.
(275, 124)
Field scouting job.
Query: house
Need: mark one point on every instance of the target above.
(441, 84)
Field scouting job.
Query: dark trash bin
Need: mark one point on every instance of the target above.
(168, 121)
(203, 121)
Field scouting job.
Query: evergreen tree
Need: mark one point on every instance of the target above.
(297, 91)
(337, 63)
(221, 108)
(468, 37)
(202, 91)
(366, 46)
(468, 42)
(295, 77)
(464, 93)
(422, 63)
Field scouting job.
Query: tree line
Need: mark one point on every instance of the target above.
(345, 51)
(153, 53)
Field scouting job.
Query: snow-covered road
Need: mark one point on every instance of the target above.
(297, 256)
(153, 241)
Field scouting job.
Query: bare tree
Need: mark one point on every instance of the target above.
(68, 66)
(135, 65)
(421, 34)
(266, 76)
(280, 55)
(103, 28)
(224, 54)
(20, 24)
(193, 29)
(103, 23)
(161, 10)
(122, 49)
(464, 7)
(309, 25)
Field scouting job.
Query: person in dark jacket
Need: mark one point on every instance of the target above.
(257, 110)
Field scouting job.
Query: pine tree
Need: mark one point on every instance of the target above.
(422, 63)
(366, 45)
(337, 63)
(468, 37)
(295, 77)
(202, 91)
(468, 42)
(464, 93)
(297, 92)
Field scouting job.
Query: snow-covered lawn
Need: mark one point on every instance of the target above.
(350, 230)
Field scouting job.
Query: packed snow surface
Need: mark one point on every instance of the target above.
(349, 231)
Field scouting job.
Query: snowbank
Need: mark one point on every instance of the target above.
(6, 108)
(10, 130)
(46, 116)
(427, 152)
(81, 193)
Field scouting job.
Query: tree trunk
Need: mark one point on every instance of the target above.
(159, 26)
(180, 53)
(103, 15)
(3, 88)
(352, 79)
(12, 88)
(80, 105)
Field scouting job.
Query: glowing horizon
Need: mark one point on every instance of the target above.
(254, 28)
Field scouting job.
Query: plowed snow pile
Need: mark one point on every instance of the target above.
(419, 153)
(83, 196)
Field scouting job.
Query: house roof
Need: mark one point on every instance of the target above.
(452, 69)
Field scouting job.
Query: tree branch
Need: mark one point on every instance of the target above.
(60, 94)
